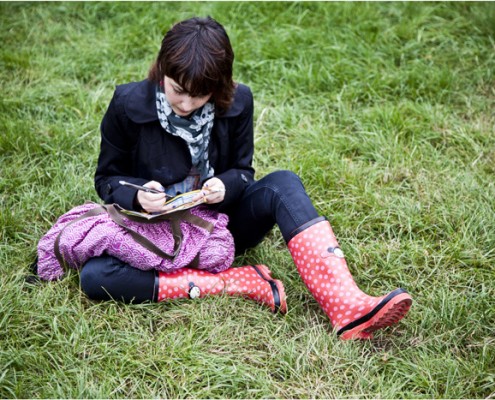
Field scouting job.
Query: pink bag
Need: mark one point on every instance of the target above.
(196, 237)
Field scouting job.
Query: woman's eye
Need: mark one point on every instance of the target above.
(178, 91)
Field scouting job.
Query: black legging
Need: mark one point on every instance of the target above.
(278, 198)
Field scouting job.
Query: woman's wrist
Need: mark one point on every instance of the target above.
(136, 205)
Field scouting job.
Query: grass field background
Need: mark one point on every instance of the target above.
(385, 110)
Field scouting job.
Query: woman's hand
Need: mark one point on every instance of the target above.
(152, 202)
(213, 191)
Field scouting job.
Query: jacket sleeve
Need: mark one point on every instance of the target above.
(241, 173)
(118, 138)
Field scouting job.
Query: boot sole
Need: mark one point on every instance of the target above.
(279, 299)
(390, 311)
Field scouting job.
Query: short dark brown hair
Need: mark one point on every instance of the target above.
(197, 54)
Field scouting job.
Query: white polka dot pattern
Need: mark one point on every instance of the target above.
(320, 262)
(240, 281)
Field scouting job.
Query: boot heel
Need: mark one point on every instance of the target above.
(390, 311)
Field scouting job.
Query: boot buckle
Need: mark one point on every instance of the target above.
(194, 291)
(333, 251)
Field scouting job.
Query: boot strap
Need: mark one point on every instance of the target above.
(275, 292)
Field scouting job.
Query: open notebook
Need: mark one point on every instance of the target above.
(180, 202)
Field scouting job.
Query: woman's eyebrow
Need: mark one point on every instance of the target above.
(177, 87)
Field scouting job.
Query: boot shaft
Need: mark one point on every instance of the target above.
(253, 282)
(321, 262)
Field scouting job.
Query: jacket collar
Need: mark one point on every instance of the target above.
(140, 102)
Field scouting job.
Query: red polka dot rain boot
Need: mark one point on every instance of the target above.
(254, 282)
(322, 266)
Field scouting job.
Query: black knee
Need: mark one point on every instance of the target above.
(284, 181)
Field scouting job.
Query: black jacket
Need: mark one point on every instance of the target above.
(135, 147)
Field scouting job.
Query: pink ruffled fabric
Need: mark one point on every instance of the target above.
(97, 235)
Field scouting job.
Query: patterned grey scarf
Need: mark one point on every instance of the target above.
(195, 130)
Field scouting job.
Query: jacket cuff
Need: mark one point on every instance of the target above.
(113, 192)
(235, 182)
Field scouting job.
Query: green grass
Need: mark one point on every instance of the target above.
(386, 111)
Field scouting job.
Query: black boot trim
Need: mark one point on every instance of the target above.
(273, 285)
(305, 226)
(156, 287)
(372, 313)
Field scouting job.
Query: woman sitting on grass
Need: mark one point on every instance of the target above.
(188, 126)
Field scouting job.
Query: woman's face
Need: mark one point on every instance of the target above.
(182, 104)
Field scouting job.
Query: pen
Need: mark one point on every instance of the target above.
(143, 188)
(210, 191)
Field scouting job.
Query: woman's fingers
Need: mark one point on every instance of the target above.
(213, 191)
(151, 202)
(155, 185)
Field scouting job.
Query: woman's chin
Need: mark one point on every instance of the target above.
(181, 113)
